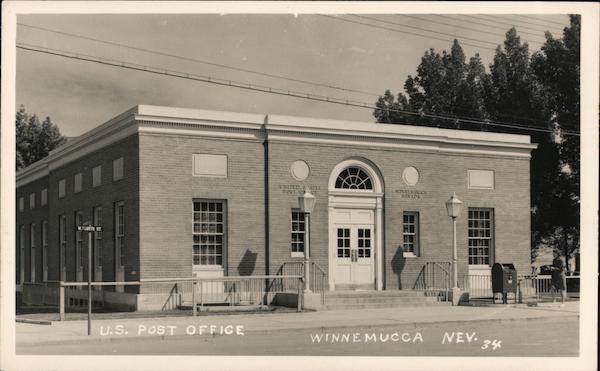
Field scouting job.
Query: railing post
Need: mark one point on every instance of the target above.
(194, 298)
(301, 283)
(519, 291)
(61, 302)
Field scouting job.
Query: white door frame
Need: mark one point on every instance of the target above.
(357, 199)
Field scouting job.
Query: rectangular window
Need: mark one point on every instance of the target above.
(343, 242)
(410, 233)
(78, 183)
(120, 234)
(481, 236)
(98, 238)
(118, 168)
(45, 250)
(62, 188)
(22, 254)
(97, 176)
(208, 233)
(62, 240)
(298, 228)
(44, 197)
(32, 201)
(21, 203)
(79, 241)
(32, 252)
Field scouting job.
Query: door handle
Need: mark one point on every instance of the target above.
(354, 256)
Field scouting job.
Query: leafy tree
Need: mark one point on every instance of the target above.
(444, 84)
(34, 139)
(556, 66)
(539, 91)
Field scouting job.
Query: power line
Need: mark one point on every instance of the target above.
(401, 31)
(457, 26)
(486, 25)
(519, 23)
(189, 59)
(424, 29)
(204, 62)
(545, 20)
(262, 88)
(513, 24)
(545, 23)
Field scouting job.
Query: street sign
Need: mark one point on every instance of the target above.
(89, 228)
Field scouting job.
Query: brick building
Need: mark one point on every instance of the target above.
(184, 192)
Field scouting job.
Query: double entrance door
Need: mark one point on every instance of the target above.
(353, 249)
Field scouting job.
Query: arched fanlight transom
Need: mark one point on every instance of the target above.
(353, 178)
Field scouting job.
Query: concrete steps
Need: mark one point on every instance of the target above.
(340, 300)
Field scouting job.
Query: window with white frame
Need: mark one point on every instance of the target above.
(32, 252)
(297, 231)
(208, 233)
(353, 178)
(410, 233)
(79, 241)
(62, 188)
(98, 238)
(118, 168)
(45, 250)
(22, 254)
(120, 233)
(21, 203)
(62, 240)
(44, 197)
(32, 201)
(481, 236)
(97, 176)
(78, 183)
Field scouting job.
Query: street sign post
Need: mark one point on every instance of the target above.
(89, 229)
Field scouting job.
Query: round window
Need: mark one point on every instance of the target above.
(299, 170)
(410, 176)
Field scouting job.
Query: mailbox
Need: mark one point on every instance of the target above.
(504, 280)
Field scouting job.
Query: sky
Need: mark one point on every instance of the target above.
(361, 57)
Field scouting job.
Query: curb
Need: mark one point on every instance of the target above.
(34, 321)
(84, 339)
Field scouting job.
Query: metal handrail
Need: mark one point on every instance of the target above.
(428, 279)
(318, 275)
(232, 292)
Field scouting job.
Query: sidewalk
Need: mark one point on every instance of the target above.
(164, 327)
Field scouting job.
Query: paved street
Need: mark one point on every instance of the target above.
(517, 330)
(544, 337)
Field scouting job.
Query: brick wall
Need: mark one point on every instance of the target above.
(440, 175)
(24, 218)
(105, 196)
(158, 190)
(167, 191)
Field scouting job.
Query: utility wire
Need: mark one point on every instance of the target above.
(108, 42)
(487, 25)
(513, 24)
(426, 30)
(518, 22)
(546, 23)
(403, 32)
(264, 89)
(189, 59)
(540, 19)
(457, 26)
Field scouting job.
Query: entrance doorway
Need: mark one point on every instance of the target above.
(354, 255)
(355, 226)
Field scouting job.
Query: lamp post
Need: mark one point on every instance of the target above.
(307, 204)
(453, 206)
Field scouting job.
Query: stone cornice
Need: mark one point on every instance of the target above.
(156, 120)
